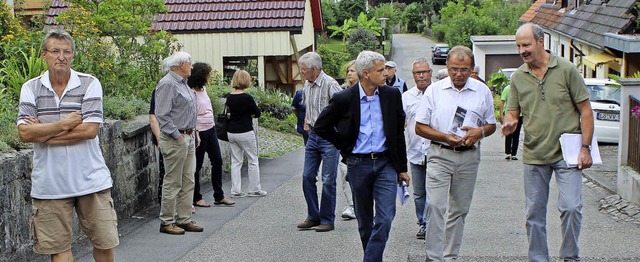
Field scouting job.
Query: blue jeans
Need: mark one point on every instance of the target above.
(373, 182)
(419, 179)
(318, 151)
(536, 190)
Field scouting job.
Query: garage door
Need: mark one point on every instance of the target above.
(493, 63)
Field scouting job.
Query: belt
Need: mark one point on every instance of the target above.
(372, 155)
(456, 149)
(187, 131)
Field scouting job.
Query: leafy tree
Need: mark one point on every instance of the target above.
(349, 9)
(115, 44)
(332, 61)
(329, 13)
(414, 15)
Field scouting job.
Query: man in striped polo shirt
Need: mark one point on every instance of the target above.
(61, 113)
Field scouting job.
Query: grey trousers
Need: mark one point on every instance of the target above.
(450, 183)
(536, 189)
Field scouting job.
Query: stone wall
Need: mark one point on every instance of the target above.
(129, 154)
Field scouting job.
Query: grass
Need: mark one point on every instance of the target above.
(335, 45)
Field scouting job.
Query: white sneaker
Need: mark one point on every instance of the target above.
(348, 213)
(238, 195)
(259, 193)
(193, 209)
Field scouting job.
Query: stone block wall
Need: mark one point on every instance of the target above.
(132, 159)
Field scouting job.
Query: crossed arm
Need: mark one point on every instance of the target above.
(69, 130)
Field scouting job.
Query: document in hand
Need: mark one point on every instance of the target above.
(403, 193)
(571, 145)
(464, 117)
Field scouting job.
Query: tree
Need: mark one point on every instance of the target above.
(349, 9)
(329, 13)
(361, 22)
(413, 16)
(361, 39)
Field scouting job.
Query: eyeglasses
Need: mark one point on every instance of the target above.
(58, 52)
(423, 72)
(463, 70)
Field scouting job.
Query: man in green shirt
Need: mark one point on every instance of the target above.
(552, 97)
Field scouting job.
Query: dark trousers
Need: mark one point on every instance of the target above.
(160, 176)
(511, 141)
(209, 144)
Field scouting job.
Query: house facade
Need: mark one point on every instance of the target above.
(586, 32)
(263, 37)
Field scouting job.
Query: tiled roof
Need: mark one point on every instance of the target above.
(531, 12)
(221, 15)
(588, 23)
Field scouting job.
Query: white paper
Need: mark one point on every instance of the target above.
(403, 193)
(571, 145)
(464, 117)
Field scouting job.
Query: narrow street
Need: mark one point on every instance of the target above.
(264, 229)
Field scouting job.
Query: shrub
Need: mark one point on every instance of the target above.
(272, 101)
(124, 107)
(267, 120)
(361, 39)
(332, 61)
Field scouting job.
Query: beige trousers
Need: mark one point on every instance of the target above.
(178, 184)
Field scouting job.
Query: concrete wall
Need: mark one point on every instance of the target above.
(628, 179)
(129, 154)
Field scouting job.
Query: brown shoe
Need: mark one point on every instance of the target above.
(309, 223)
(225, 202)
(191, 227)
(171, 229)
(324, 228)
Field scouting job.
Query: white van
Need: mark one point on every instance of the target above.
(604, 95)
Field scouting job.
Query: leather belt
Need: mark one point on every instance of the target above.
(456, 149)
(188, 131)
(372, 155)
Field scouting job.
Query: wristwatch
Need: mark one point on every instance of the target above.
(587, 146)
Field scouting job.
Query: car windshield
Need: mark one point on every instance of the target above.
(443, 49)
(604, 93)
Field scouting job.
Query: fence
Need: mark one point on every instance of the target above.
(634, 137)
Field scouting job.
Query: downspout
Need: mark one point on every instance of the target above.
(580, 53)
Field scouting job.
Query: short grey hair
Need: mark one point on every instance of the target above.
(60, 34)
(442, 74)
(165, 66)
(421, 60)
(311, 60)
(459, 53)
(537, 30)
(366, 60)
(177, 58)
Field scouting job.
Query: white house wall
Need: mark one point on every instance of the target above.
(557, 40)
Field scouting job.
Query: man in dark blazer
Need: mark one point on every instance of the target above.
(366, 122)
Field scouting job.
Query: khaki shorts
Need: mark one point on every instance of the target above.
(51, 222)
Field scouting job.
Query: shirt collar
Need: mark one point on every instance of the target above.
(363, 95)
(553, 62)
(177, 77)
(74, 80)
(319, 80)
(469, 85)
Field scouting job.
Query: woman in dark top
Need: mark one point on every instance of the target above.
(208, 138)
(242, 137)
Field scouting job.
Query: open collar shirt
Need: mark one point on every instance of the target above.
(176, 105)
(371, 138)
(417, 146)
(316, 95)
(440, 101)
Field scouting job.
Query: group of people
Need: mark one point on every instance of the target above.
(182, 121)
(363, 122)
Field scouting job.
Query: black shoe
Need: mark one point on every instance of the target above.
(421, 232)
(508, 157)
(514, 158)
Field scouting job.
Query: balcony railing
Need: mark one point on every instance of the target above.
(634, 137)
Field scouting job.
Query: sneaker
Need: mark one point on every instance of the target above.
(171, 229)
(239, 195)
(259, 193)
(348, 213)
(508, 157)
(421, 232)
(225, 202)
(191, 227)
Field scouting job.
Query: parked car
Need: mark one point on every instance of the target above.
(604, 95)
(433, 48)
(440, 53)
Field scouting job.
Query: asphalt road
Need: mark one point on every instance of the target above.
(264, 229)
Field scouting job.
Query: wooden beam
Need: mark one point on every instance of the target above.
(281, 75)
